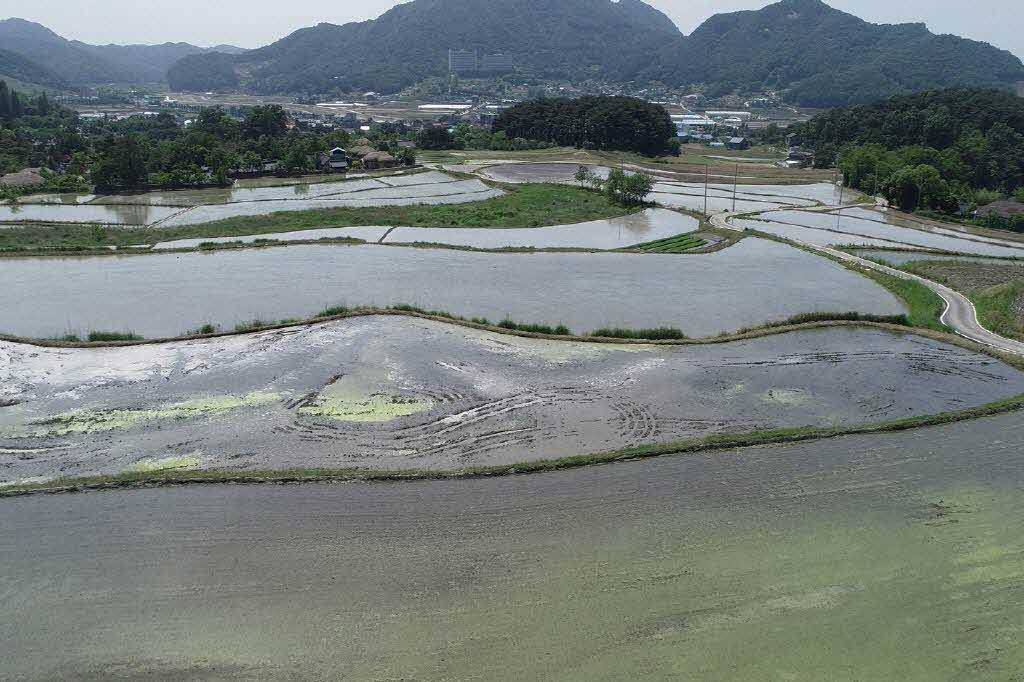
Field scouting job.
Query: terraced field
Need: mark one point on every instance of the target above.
(891, 554)
(399, 393)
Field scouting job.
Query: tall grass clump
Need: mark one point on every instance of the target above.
(99, 336)
(651, 334)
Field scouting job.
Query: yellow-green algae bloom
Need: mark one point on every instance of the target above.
(379, 407)
(93, 421)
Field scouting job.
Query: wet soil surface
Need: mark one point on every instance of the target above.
(393, 393)
(873, 558)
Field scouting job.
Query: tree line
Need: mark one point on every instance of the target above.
(947, 150)
(598, 122)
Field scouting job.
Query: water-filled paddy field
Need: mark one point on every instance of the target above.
(677, 194)
(752, 282)
(394, 392)
(876, 558)
(614, 233)
(853, 228)
(189, 207)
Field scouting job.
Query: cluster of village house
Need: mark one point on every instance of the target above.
(339, 159)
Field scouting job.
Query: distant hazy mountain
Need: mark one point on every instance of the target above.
(817, 54)
(80, 63)
(23, 69)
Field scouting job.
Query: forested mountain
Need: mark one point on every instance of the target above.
(564, 39)
(79, 63)
(825, 57)
(13, 65)
(817, 55)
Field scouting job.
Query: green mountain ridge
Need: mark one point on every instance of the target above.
(815, 54)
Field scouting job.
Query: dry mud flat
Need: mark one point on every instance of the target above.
(162, 295)
(403, 393)
(872, 558)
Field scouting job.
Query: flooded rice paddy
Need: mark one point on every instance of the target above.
(393, 392)
(189, 207)
(875, 558)
(681, 194)
(613, 233)
(127, 215)
(157, 295)
(366, 233)
(847, 229)
(904, 257)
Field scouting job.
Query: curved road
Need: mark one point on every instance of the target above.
(960, 314)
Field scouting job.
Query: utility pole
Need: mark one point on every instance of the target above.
(706, 189)
(735, 182)
(839, 213)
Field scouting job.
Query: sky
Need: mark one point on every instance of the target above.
(252, 23)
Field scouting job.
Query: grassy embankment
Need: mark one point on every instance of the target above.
(133, 478)
(531, 205)
(995, 288)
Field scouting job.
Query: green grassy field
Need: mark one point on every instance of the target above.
(680, 243)
(530, 205)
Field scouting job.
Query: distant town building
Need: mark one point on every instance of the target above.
(740, 143)
(692, 125)
(462, 61)
(497, 63)
(334, 160)
(719, 115)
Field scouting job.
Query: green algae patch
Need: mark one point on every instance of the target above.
(149, 464)
(379, 407)
(870, 587)
(94, 421)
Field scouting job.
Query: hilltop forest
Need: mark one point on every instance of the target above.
(939, 149)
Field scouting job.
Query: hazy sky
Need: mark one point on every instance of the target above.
(251, 23)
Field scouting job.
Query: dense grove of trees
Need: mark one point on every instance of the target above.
(939, 150)
(466, 136)
(619, 123)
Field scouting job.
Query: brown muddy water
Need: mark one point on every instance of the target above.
(393, 393)
(166, 294)
(872, 558)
